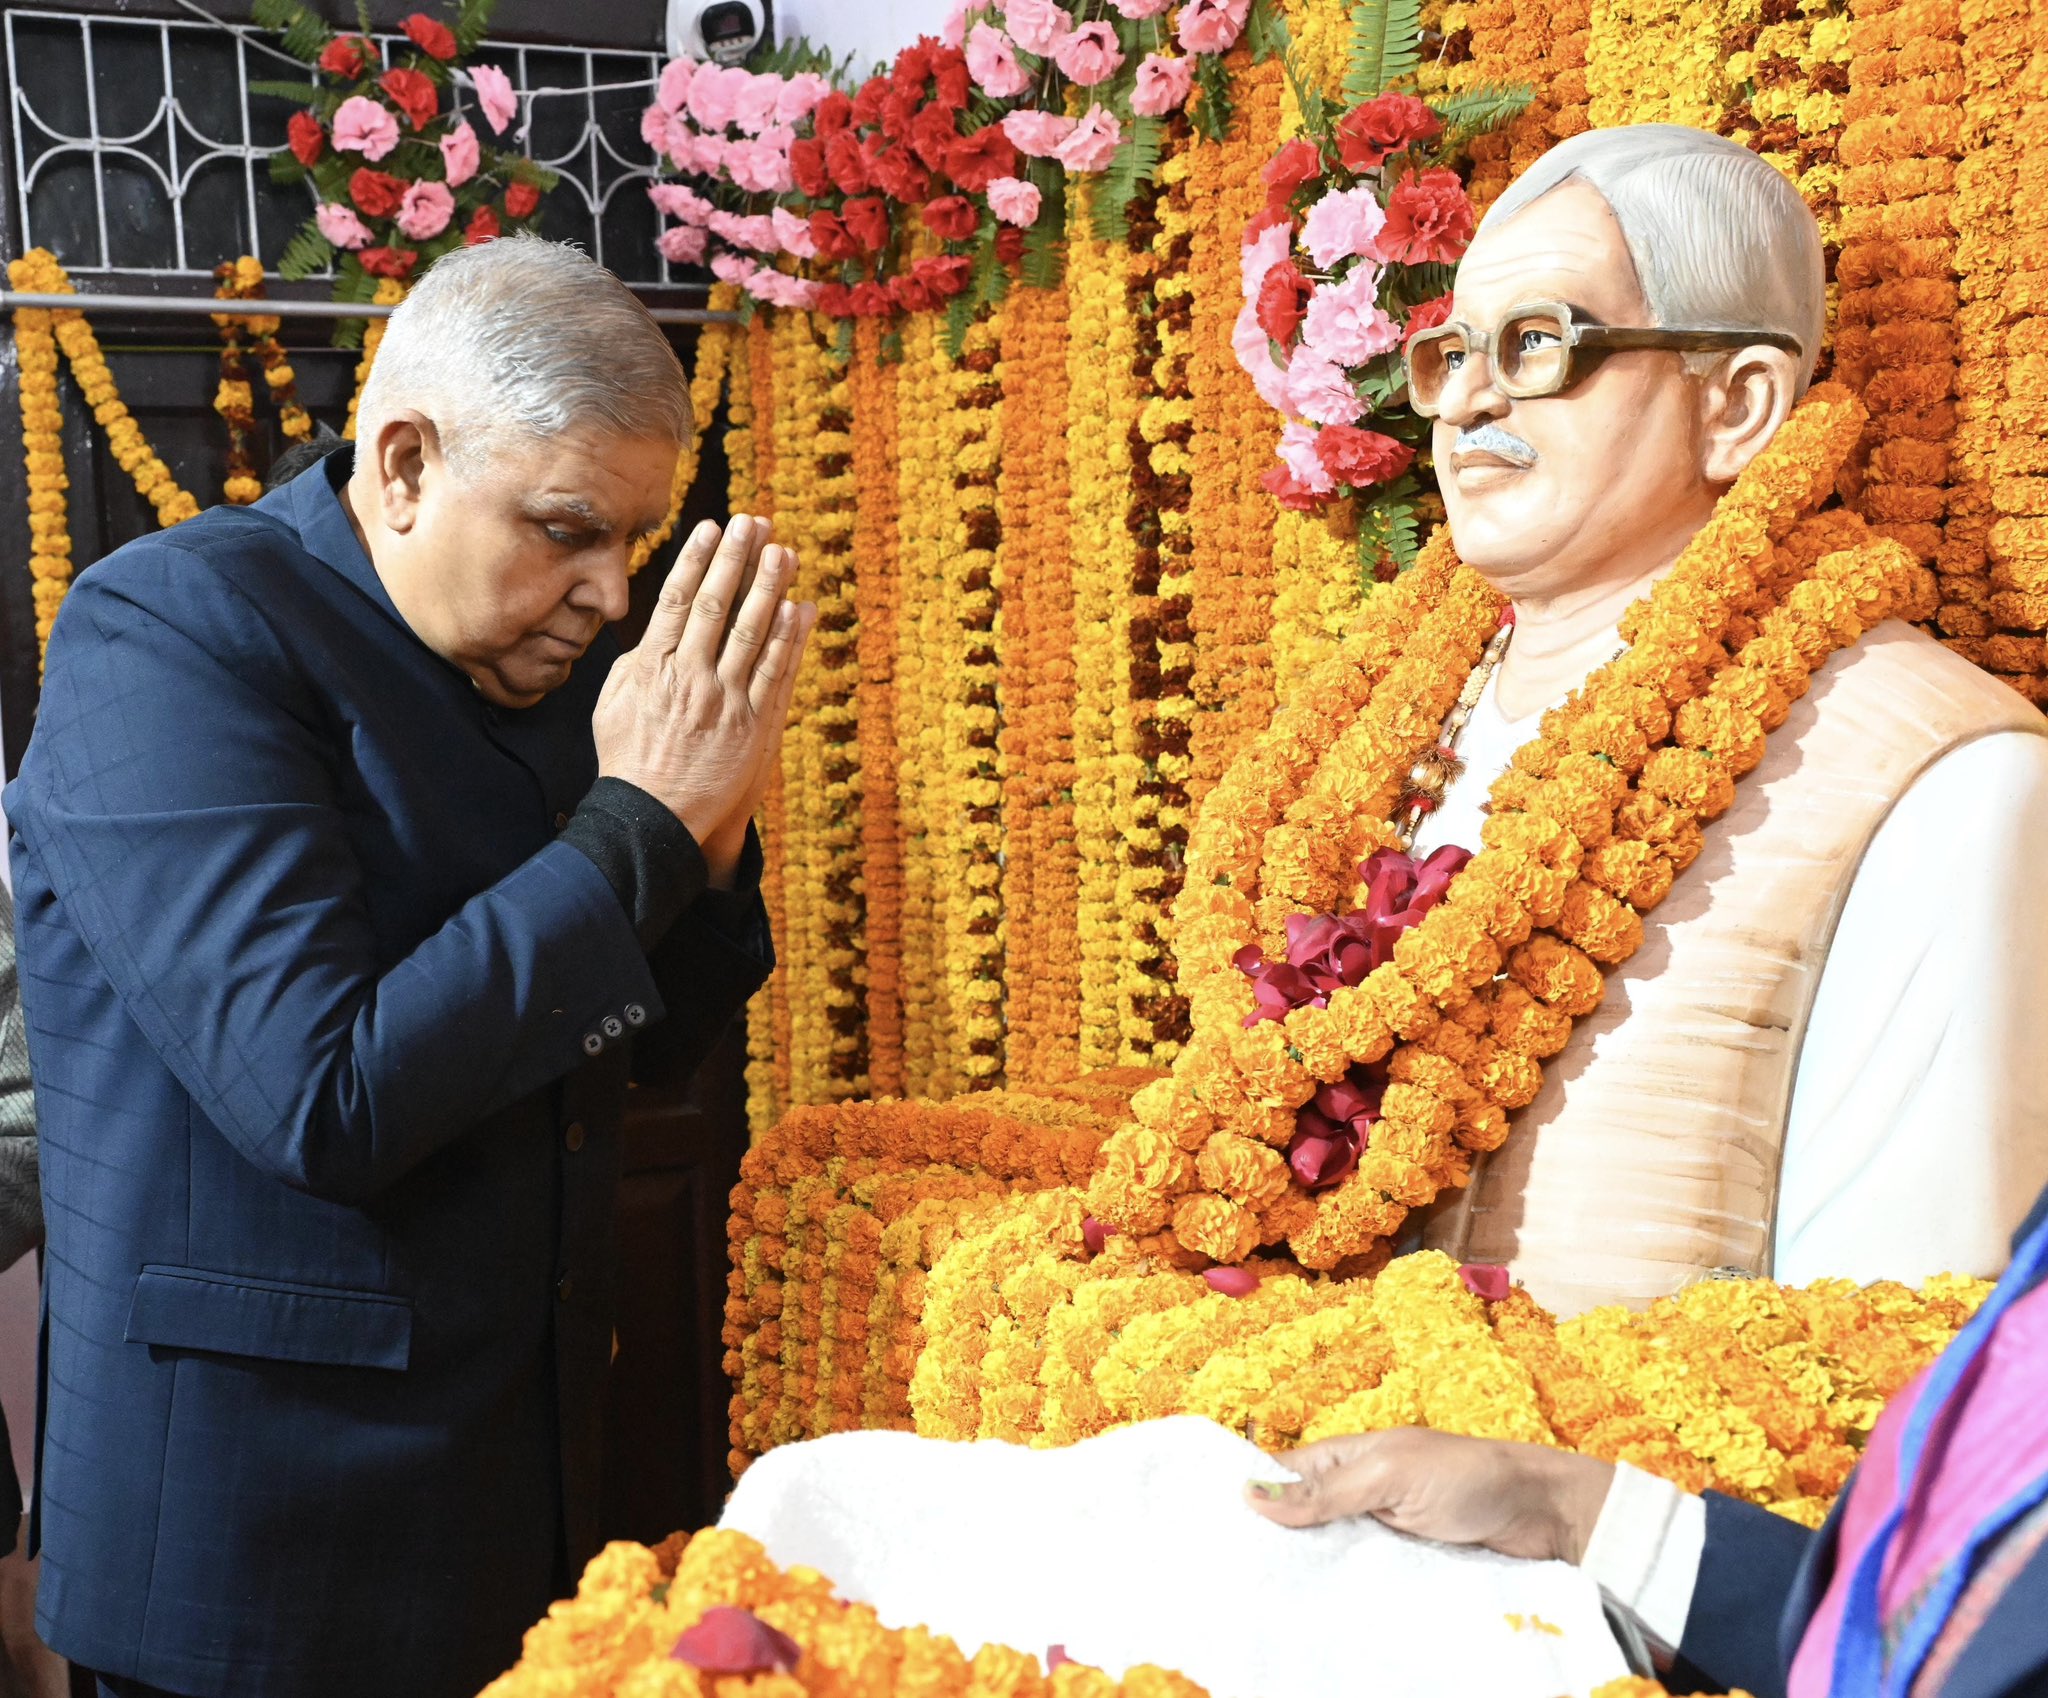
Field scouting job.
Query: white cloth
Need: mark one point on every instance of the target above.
(1644, 1554)
(1921, 1076)
(1137, 1547)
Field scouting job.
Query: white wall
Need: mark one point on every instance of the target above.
(869, 29)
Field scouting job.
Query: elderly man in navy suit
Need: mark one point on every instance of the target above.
(358, 876)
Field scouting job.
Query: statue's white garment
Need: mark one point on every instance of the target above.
(1917, 1136)
(1138, 1547)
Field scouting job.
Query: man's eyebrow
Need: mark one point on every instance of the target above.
(567, 507)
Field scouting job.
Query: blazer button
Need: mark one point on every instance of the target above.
(592, 1043)
(565, 1288)
(572, 1136)
(635, 1014)
(612, 1028)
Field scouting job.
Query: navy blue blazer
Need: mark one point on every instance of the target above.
(1762, 1579)
(331, 1036)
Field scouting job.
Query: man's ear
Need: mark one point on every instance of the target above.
(1743, 400)
(407, 449)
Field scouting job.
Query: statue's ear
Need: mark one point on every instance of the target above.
(1743, 399)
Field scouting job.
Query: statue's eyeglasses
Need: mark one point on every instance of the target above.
(1539, 349)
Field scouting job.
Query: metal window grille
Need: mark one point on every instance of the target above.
(139, 149)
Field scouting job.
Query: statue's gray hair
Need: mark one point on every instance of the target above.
(522, 338)
(1719, 237)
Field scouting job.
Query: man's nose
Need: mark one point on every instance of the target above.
(608, 588)
(1470, 397)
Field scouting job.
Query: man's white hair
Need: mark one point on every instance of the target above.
(1719, 237)
(524, 338)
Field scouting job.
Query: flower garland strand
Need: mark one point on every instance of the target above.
(1588, 829)
(242, 280)
(233, 400)
(42, 440)
(715, 343)
(389, 293)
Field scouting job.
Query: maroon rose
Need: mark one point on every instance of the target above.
(978, 160)
(1429, 220)
(951, 218)
(1331, 1128)
(867, 222)
(1361, 458)
(1295, 164)
(847, 163)
(1283, 301)
(1383, 127)
(807, 166)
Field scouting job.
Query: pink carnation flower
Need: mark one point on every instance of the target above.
(674, 87)
(1255, 353)
(1213, 26)
(733, 268)
(1163, 85)
(494, 94)
(1038, 134)
(461, 155)
(425, 210)
(759, 168)
(1298, 454)
(1036, 24)
(679, 202)
(690, 153)
(680, 244)
(365, 126)
(992, 63)
(953, 32)
(1088, 55)
(800, 96)
(715, 95)
(341, 226)
(742, 231)
(1344, 223)
(1261, 255)
(1318, 389)
(754, 107)
(1136, 9)
(1345, 323)
(793, 233)
(654, 130)
(1014, 201)
(1092, 143)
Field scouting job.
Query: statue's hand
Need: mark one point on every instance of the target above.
(1520, 1499)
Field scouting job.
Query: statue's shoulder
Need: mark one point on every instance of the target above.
(1912, 688)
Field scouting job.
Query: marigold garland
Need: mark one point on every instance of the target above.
(715, 344)
(232, 400)
(389, 293)
(1587, 831)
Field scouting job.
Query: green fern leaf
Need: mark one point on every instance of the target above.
(299, 94)
(1265, 32)
(1315, 113)
(1475, 111)
(307, 253)
(472, 24)
(1386, 45)
(302, 31)
(1135, 163)
(1213, 112)
(285, 168)
(1045, 256)
(959, 320)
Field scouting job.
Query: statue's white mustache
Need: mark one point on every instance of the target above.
(1495, 439)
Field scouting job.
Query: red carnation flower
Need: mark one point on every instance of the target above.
(308, 140)
(1284, 487)
(1283, 300)
(951, 218)
(847, 163)
(897, 112)
(835, 300)
(1426, 316)
(1429, 220)
(932, 134)
(978, 160)
(375, 193)
(867, 222)
(807, 166)
(1295, 164)
(912, 293)
(913, 66)
(348, 56)
(950, 83)
(522, 200)
(867, 104)
(1383, 127)
(898, 175)
(948, 274)
(414, 94)
(829, 231)
(1361, 457)
(834, 113)
(870, 300)
(1009, 244)
(1263, 220)
(483, 227)
(430, 36)
(396, 263)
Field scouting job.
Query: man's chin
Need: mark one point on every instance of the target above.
(523, 685)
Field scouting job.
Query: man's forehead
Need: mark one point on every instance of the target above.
(1566, 246)
(612, 488)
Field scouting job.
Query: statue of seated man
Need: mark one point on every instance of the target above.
(1822, 1058)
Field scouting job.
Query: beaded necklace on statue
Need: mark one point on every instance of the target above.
(1441, 766)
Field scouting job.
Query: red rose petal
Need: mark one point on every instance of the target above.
(1232, 1282)
(1486, 1281)
(735, 1641)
